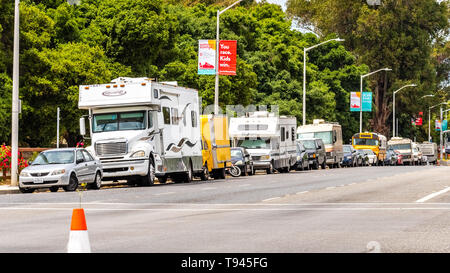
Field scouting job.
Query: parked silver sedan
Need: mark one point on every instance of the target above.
(64, 168)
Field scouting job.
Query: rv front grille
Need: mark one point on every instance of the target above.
(111, 148)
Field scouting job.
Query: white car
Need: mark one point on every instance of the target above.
(373, 160)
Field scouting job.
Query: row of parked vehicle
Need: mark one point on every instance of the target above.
(144, 131)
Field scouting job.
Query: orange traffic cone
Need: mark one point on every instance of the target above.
(78, 238)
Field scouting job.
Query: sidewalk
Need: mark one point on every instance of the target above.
(5, 189)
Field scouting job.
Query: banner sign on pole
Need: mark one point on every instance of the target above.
(444, 125)
(355, 100)
(437, 125)
(227, 57)
(206, 57)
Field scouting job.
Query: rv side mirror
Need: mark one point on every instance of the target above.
(82, 127)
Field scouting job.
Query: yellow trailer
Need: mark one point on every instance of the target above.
(215, 146)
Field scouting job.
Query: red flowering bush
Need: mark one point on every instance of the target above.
(5, 159)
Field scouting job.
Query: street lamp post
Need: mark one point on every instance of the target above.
(304, 73)
(361, 93)
(15, 101)
(429, 119)
(216, 87)
(393, 108)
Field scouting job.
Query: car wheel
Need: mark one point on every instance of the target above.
(54, 189)
(270, 169)
(73, 183)
(162, 179)
(97, 184)
(26, 190)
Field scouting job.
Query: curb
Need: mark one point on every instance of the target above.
(9, 190)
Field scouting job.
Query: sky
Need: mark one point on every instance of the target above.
(282, 3)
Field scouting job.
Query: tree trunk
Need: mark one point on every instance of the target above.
(381, 107)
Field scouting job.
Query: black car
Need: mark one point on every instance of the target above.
(302, 162)
(316, 152)
(350, 156)
(391, 157)
(241, 158)
(362, 158)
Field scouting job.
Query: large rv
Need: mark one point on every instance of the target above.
(331, 135)
(141, 129)
(403, 146)
(429, 149)
(269, 139)
(372, 141)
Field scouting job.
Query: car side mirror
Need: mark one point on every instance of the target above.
(80, 161)
(320, 147)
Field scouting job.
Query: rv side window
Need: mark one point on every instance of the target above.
(155, 93)
(293, 133)
(282, 133)
(174, 116)
(150, 119)
(166, 115)
(194, 118)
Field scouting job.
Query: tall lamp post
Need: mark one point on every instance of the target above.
(429, 118)
(216, 87)
(393, 107)
(15, 101)
(361, 94)
(304, 72)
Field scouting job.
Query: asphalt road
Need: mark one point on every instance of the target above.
(369, 209)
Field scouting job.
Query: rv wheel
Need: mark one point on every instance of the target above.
(149, 179)
(205, 173)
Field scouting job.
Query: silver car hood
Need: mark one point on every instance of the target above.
(48, 168)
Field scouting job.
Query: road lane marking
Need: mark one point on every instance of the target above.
(302, 192)
(330, 188)
(163, 193)
(269, 199)
(428, 197)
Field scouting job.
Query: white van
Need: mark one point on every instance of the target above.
(140, 129)
(269, 139)
(331, 135)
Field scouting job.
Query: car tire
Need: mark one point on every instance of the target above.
(97, 184)
(204, 176)
(26, 190)
(270, 169)
(73, 184)
(54, 188)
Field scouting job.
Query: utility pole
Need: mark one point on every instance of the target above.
(15, 101)
(57, 127)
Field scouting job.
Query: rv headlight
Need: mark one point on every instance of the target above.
(56, 172)
(138, 154)
(265, 157)
(299, 157)
(25, 174)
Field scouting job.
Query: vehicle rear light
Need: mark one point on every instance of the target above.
(143, 84)
(108, 86)
(115, 85)
(122, 85)
(87, 87)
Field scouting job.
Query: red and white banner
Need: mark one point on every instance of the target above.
(227, 57)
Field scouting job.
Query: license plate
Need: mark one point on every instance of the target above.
(38, 180)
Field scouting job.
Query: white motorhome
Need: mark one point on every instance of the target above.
(403, 146)
(140, 129)
(429, 149)
(331, 135)
(269, 139)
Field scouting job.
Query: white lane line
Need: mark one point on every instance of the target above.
(330, 188)
(210, 188)
(269, 199)
(164, 193)
(302, 192)
(428, 197)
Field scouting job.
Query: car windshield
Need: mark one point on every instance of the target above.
(365, 141)
(347, 149)
(54, 157)
(309, 144)
(235, 153)
(119, 121)
(254, 143)
(406, 146)
(325, 136)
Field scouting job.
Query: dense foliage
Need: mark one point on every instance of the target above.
(64, 46)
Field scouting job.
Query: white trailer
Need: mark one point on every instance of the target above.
(269, 139)
(331, 135)
(140, 129)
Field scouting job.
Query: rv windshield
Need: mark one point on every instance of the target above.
(254, 143)
(406, 146)
(327, 137)
(118, 122)
(365, 141)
